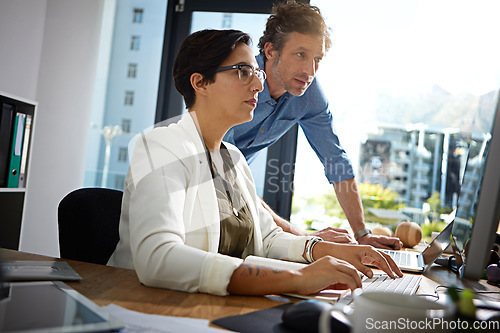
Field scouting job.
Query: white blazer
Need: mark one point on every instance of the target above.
(170, 225)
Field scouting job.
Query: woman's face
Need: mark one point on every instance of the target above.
(235, 100)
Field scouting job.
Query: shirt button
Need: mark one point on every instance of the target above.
(262, 131)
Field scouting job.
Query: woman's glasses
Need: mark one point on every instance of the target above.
(245, 72)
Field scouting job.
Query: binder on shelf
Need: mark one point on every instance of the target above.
(24, 152)
(16, 148)
(6, 122)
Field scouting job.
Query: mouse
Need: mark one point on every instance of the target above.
(303, 316)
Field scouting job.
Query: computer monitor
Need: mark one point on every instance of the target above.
(478, 213)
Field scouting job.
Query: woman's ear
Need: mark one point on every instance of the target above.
(269, 51)
(198, 84)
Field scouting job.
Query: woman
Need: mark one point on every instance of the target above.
(190, 211)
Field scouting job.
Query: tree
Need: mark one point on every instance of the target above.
(434, 202)
(372, 195)
(376, 196)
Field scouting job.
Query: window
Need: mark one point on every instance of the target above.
(407, 94)
(132, 70)
(122, 92)
(134, 42)
(138, 13)
(119, 182)
(126, 124)
(129, 97)
(122, 154)
(227, 20)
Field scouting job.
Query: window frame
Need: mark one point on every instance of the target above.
(137, 15)
(132, 70)
(122, 154)
(129, 97)
(126, 125)
(135, 42)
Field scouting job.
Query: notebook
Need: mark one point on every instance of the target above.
(419, 262)
(23, 270)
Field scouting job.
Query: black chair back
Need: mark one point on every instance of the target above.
(88, 220)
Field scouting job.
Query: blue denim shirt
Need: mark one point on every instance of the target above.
(273, 118)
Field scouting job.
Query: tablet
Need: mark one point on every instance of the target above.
(50, 306)
(22, 270)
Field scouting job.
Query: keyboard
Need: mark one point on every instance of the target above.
(408, 284)
(403, 258)
(400, 258)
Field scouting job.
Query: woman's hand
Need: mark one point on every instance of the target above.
(358, 256)
(327, 273)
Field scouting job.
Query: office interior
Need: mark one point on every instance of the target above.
(54, 52)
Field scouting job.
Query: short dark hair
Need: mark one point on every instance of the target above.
(290, 16)
(203, 52)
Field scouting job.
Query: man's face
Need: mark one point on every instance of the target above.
(295, 67)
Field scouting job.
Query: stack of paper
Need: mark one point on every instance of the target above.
(136, 322)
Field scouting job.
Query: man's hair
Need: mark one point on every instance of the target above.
(290, 16)
(203, 52)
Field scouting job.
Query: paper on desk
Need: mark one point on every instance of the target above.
(142, 322)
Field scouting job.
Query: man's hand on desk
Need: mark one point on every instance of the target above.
(381, 242)
(336, 235)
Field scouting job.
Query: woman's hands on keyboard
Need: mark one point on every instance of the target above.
(359, 256)
(327, 273)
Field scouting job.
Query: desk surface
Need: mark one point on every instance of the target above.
(104, 285)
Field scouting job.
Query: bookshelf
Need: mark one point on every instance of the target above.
(17, 124)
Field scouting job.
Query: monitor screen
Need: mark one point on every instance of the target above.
(478, 212)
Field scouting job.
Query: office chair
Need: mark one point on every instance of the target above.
(88, 220)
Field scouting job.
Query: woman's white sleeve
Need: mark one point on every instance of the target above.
(157, 236)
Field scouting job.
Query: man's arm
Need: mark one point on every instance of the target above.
(331, 234)
(350, 201)
(281, 222)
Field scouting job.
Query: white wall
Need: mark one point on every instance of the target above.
(21, 37)
(53, 48)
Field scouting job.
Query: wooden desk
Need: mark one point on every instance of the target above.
(105, 285)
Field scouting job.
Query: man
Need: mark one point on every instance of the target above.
(294, 42)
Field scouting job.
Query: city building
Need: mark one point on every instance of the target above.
(129, 77)
(416, 160)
